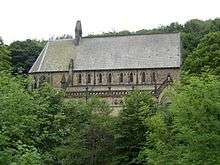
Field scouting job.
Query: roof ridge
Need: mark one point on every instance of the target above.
(59, 40)
(128, 35)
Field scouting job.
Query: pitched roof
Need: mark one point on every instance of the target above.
(121, 52)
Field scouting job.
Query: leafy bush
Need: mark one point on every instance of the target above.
(188, 132)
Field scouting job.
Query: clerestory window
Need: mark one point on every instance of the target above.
(143, 77)
(109, 78)
(100, 78)
(131, 79)
(79, 78)
(153, 77)
(121, 78)
(88, 78)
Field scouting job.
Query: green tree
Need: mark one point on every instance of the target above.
(89, 137)
(24, 54)
(31, 123)
(5, 60)
(131, 130)
(72, 149)
(39, 127)
(189, 131)
(49, 131)
(197, 26)
(100, 132)
(215, 25)
(17, 122)
(206, 57)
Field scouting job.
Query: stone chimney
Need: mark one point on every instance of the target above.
(78, 32)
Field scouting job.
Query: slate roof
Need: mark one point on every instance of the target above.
(116, 52)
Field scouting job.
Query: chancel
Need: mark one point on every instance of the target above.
(109, 66)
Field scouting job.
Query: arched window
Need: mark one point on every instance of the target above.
(131, 77)
(109, 78)
(153, 77)
(100, 78)
(80, 79)
(143, 77)
(121, 78)
(88, 78)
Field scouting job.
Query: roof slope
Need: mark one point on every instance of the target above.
(55, 56)
(121, 52)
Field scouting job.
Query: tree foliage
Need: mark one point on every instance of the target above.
(17, 121)
(206, 57)
(90, 133)
(5, 60)
(40, 127)
(30, 122)
(24, 54)
(188, 131)
(130, 131)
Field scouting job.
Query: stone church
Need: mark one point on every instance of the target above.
(109, 67)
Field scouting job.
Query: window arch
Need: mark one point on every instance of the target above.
(109, 78)
(100, 78)
(131, 79)
(88, 78)
(121, 78)
(143, 77)
(153, 77)
(79, 78)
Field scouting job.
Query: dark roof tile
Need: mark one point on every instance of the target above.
(122, 52)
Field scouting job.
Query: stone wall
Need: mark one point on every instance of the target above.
(160, 75)
(113, 91)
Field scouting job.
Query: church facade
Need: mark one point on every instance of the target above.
(109, 67)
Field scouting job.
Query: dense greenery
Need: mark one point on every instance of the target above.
(206, 57)
(89, 131)
(5, 63)
(24, 53)
(40, 126)
(188, 131)
(29, 121)
(131, 130)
